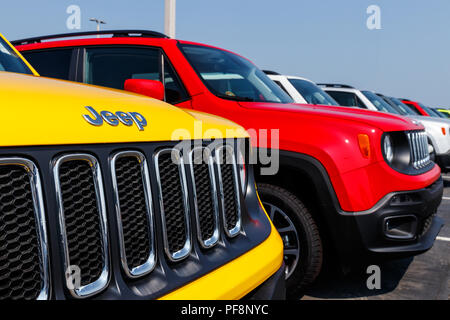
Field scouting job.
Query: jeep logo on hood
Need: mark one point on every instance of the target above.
(113, 119)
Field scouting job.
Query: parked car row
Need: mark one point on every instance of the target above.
(437, 126)
(343, 185)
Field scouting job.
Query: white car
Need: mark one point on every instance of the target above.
(437, 129)
(302, 90)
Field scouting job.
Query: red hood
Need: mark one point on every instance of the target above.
(383, 121)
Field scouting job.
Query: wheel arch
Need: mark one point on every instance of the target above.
(315, 190)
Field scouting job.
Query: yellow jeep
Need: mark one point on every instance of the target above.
(111, 195)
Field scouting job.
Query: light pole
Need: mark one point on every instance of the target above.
(169, 18)
(99, 22)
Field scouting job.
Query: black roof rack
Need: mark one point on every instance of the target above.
(335, 85)
(114, 33)
(271, 72)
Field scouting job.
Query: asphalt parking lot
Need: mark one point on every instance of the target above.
(424, 277)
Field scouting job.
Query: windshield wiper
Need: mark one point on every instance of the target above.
(235, 98)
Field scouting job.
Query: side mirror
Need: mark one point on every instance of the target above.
(151, 88)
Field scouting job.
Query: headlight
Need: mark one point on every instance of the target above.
(406, 151)
(388, 147)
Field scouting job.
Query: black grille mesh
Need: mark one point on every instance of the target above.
(82, 219)
(20, 264)
(229, 191)
(173, 202)
(205, 200)
(133, 207)
(21, 274)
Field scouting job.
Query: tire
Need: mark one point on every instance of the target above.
(280, 205)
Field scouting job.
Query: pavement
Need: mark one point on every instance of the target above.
(424, 277)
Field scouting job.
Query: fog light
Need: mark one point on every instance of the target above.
(400, 227)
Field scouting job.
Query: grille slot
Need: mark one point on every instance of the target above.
(23, 240)
(134, 212)
(418, 143)
(83, 221)
(205, 196)
(174, 203)
(229, 190)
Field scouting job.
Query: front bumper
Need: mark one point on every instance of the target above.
(273, 288)
(443, 161)
(235, 280)
(405, 225)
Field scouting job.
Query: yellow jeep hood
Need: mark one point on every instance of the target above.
(42, 111)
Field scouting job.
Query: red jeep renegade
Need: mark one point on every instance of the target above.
(355, 183)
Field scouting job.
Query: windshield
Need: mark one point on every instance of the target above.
(430, 111)
(444, 113)
(400, 105)
(10, 61)
(312, 93)
(379, 103)
(437, 113)
(393, 105)
(232, 77)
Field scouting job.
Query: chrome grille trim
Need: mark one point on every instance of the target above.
(422, 148)
(103, 280)
(39, 213)
(186, 250)
(418, 143)
(149, 265)
(425, 149)
(210, 242)
(218, 156)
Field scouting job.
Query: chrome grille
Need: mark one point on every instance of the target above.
(81, 211)
(418, 143)
(174, 203)
(131, 183)
(205, 196)
(82, 219)
(229, 190)
(23, 240)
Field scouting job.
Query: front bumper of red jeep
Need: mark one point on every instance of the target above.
(402, 224)
(363, 188)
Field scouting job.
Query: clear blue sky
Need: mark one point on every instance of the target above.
(324, 40)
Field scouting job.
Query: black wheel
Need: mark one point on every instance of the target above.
(302, 244)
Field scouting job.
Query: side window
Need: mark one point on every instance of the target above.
(359, 103)
(110, 67)
(346, 99)
(50, 63)
(175, 92)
